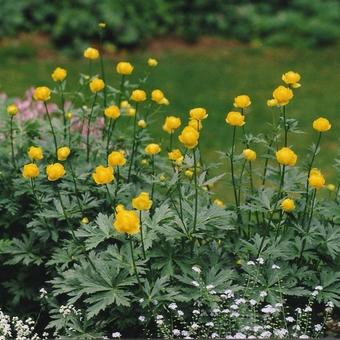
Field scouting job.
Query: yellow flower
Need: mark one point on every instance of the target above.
(152, 62)
(164, 101)
(176, 156)
(235, 118)
(124, 104)
(271, 102)
(219, 203)
(142, 201)
(59, 74)
(316, 180)
(131, 112)
(286, 156)
(126, 221)
(144, 162)
(189, 137)
(152, 149)
(35, 153)
(242, 101)
(42, 93)
(30, 170)
(162, 178)
(85, 220)
(292, 78)
(12, 109)
(103, 175)
(112, 112)
(55, 171)
(124, 68)
(102, 25)
(249, 155)
(283, 95)
(321, 124)
(196, 124)
(189, 173)
(96, 85)
(198, 113)
(69, 115)
(331, 187)
(63, 153)
(116, 158)
(288, 205)
(91, 53)
(138, 96)
(315, 171)
(141, 123)
(157, 95)
(171, 124)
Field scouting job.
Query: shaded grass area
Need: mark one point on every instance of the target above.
(212, 78)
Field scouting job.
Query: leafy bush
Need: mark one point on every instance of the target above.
(125, 232)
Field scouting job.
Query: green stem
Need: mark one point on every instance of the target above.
(133, 262)
(63, 107)
(75, 186)
(141, 234)
(133, 144)
(88, 129)
(285, 125)
(52, 130)
(69, 133)
(253, 191)
(196, 191)
(109, 196)
(108, 137)
(12, 143)
(240, 182)
(102, 65)
(171, 140)
(153, 176)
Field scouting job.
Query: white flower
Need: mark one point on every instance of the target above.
(269, 309)
(195, 283)
(274, 266)
(260, 260)
(235, 314)
(176, 332)
(229, 293)
(290, 319)
(257, 328)
(235, 307)
(253, 302)
(251, 263)
(318, 327)
(265, 334)
(141, 300)
(216, 310)
(43, 293)
(214, 335)
(278, 305)
(225, 311)
(159, 317)
(212, 292)
(329, 306)
(263, 293)
(304, 336)
(180, 313)
(209, 287)
(240, 335)
(195, 326)
(196, 269)
(141, 318)
(210, 324)
(298, 310)
(240, 301)
(116, 335)
(196, 312)
(280, 333)
(172, 306)
(185, 333)
(315, 293)
(159, 322)
(308, 309)
(318, 288)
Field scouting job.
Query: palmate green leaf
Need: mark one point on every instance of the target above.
(330, 281)
(329, 240)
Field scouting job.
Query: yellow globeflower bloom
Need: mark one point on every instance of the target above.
(171, 124)
(292, 78)
(316, 180)
(138, 96)
(164, 101)
(331, 187)
(176, 156)
(272, 102)
(152, 62)
(219, 203)
(249, 155)
(157, 96)
(189, 173)
(283, 95)
(97, 85)
(116, 158)
(235, 118)
(124, 68)
(141, 123)
(35, 153)
(126, 221)
(59, 74)
(102, 25)
(69, 115)
(85, 220)
(288, 205)
(63, 153)
(103, 175)
(242, 101)
(12, 109)
(196, 124)
(152, 149)
(42, 93)
(286, 156)
(55, 171)
(30, 170)
(91, 53)
(198, 113)
(315, 171)
(189, 137)
(321, 124)
(142, 201)
(112, 112)
(124, 104)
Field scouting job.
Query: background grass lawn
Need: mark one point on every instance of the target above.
(212, 77)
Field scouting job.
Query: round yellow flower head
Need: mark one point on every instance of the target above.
(331, 187)
(55, 171)
(164, 101)
(321, 124)
(288, 205)
(42, 93)
(152, 62)
(171, 124)
(12, 109)
(283, 95)
(235, 118)
(176, 156)
(152, 149)
(103, 175)
(157, 95)
(219, 203)
(124, 104)
(127, 221)
(69, 115)
(96, 85)
(142, 201)
(124, 68)
(30, 170)
(198, 113)
(141, 123)
(35, 153)
(189, 173)
(91, 53)
(162, 178)
(316, 180)
(138, 96)
(112, 112)
(85, 220)
(63, 153)
(271, 102)
(242, 101)
(144, 162)
(286, 156)
(292, 78)
(249, 155)
(59, 74)
(131, 112)
(315, 171)
(102, 25)
(189, 137)
(196, 124)
(116, 158)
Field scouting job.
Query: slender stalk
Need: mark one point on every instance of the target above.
(37, 200)
(153, 176)
(63, 106)
(240, 182)
(252, 190)
(108, 136)
(109, 196)
(12, 143)
(196, 191)
(89, 128)
(266, 163)
(180, 197)
(285, 125)
(75, 186)
(171, 140)
(133, 144)
(102, 65)
(52, 130)
(133, 262)
(69, 133)
(141, 234)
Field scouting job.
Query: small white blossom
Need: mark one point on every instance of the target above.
(195, 326)
(116, 335)
(196, 269)
(308, 309)
(225, 311)
(195, 283)
(260, 260)
(141, 318)
(304, 336)
(196, 312)
(176, 332)
(280, 333)
(240, 301)
(159, 317)
(141, 300)
(263, 293)
(265, 335)
(240, 335)
(318, 288)
(43, 293)
(159, 322)
(253, 302)
(257, 328)
(269, 309)
(216, 311)
(210, 324)
(180, 313)
(251, 263)
(298, 310)
(185, 333)
(214, 335)
(315, 293)
(209, 287)
(274, 266)
(235, 314)
(172, 306)
(317, 327)
(290, 319)
(235, 307)
(229, 293)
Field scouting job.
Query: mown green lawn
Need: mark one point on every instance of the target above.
(212, 78)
